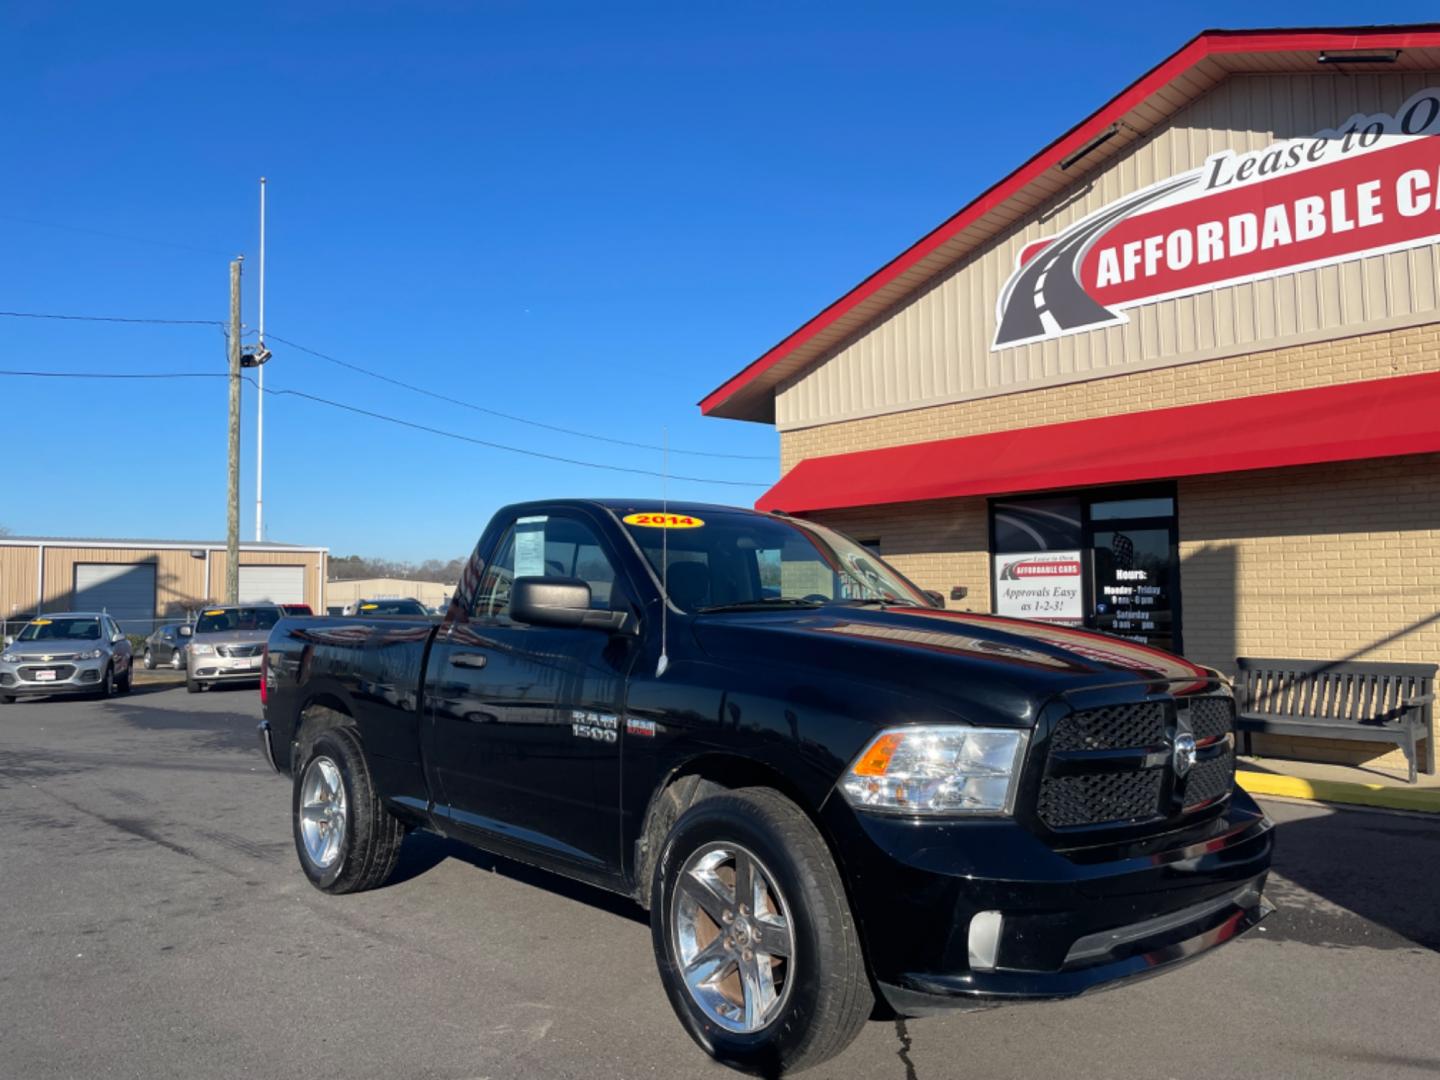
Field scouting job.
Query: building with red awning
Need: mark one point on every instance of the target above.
(1176, 377)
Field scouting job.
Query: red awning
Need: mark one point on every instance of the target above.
(1348, 422)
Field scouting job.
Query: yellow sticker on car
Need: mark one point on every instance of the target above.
(368, 607)
(663, 521)
(41, 622)
(217, 611)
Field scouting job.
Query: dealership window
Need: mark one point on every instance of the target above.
(1106, 559)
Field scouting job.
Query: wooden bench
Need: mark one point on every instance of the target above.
(1370, 702)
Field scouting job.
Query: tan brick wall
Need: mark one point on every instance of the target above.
(1367, 356)
(1323, 562)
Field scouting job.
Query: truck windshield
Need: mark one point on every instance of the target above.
(734, 561)
(61, 630)
(245, 618)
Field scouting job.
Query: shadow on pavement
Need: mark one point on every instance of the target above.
(216, 730)
(1378, 866)
(424, 851)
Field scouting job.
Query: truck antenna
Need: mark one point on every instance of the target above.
(664, 556)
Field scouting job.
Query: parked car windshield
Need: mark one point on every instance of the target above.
(219, 620)
(727, 560)
(61, 630)
(392, 607)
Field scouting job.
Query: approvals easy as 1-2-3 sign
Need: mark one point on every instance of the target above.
(1040, 585)
(1368, 186)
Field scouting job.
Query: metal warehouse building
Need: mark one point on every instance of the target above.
(141, 582)
(1176, 377)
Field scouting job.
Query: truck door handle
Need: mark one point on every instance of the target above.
(467, 659)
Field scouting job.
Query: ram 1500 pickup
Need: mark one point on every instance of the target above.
(822, 786)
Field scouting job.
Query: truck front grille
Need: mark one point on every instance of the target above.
(1066, 801)
(1138, 723)
(1116, 764)
(1209, 780)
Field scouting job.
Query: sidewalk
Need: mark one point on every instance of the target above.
(1322, 782)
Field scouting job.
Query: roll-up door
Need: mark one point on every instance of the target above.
(275, 584)
(124, 590)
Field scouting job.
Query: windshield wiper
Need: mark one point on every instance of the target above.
(882, 600)
(759, 603)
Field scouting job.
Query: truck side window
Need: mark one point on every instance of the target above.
(549, 546)
(493, 596)
(572, 550)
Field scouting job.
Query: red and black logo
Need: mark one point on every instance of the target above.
(1370, 186)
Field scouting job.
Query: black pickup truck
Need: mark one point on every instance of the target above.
(822, 785)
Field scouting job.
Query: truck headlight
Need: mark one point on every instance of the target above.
(937, 770)
(201, 650)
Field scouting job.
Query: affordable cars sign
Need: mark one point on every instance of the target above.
(1370, 185)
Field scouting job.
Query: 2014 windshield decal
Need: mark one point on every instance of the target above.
(1370, 186)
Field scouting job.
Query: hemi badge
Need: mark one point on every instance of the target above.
(647, 728)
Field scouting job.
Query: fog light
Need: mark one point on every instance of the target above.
(985, 940)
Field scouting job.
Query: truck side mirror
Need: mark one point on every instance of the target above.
(563, 602)
(186, 631)
(936, 599)
(9, 640)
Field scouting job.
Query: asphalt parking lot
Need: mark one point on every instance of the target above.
(154, 924)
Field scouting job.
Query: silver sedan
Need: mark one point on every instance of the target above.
(69, 653)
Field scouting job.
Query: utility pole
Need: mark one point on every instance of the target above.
(261, 356)
(232, 534)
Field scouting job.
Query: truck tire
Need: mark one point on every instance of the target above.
(346, 839)
(770, 986)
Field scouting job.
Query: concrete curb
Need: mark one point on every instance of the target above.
(1423, 800)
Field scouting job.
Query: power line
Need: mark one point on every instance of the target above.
(510, 416)
(118, 374)
(397, 382)
(109, 319)
(113, 235)
(330, 402)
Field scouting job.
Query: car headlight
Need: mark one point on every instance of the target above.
(202, 650)
(9, 658)
(937, 770)
(93, 654)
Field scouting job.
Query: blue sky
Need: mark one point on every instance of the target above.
(585, 214)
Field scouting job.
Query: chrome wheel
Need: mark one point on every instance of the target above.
(322, 812)
(149, 661)
(733, 937)
(177, 660)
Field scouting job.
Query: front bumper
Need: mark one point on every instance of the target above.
(215, 668)
(1070, 921)
(68, 677)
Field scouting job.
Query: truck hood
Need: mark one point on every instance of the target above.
(961, 662)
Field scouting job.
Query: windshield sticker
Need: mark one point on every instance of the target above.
(217, 611)
(41, 622)
(530, 547)
(368, 607)
(663, 521)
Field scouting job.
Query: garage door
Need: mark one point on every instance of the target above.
(125, 590)
(276, 584)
